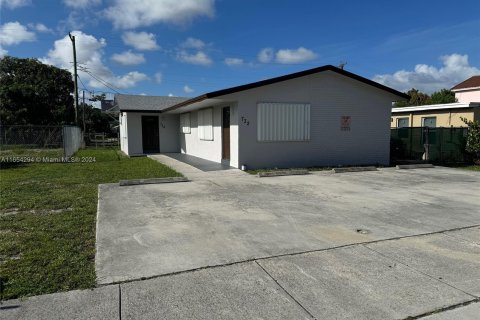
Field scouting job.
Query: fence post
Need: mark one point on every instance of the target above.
(427, 140)
(440, 144)
(63, 142)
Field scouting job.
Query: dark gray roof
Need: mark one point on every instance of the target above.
(126, 102)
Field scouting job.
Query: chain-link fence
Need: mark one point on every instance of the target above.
(436, 145)
(39, 141)
(102, 139)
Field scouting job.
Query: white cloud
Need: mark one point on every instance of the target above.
(170, 95)
(140, 40)
(187, 89)
(81, 4)
(199, 58)
(90, 59)
(40, 27)
(288, 56)
(193, 43)
(12, 33)
(129, 80)
(426, 78)
(265, 55)
(128, 58)
(233, 61)
(127, 14)
(3, 52)
(12, 4)
(158, 77)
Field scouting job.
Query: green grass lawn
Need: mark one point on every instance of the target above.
(47, 219)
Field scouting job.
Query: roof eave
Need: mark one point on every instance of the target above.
(290, 76)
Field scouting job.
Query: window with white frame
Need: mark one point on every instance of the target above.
(283, 122)
(430, 122)
(403, 122)
(205, 124)
(185, 123)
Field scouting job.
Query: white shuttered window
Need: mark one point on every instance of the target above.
(205, 124)
(283, 122)
(185, 123)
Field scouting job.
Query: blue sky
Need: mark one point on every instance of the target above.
(189, 47)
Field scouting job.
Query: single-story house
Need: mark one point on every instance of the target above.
(467, 94)
(319, 117)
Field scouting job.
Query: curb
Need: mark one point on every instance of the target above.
(282, 173)
(353, 169)
(414, 166)
(136, 182)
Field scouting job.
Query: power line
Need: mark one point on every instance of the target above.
(103, 82)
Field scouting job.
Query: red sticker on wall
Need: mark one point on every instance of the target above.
(345, 122)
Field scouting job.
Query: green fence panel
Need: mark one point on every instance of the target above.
(436, 145)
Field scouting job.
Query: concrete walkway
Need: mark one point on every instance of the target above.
(435, 276)
(196, 168)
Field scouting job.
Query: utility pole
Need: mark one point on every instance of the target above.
(75, 76)
(83, 107)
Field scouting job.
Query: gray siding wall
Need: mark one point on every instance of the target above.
(169, 126)
(331, 96)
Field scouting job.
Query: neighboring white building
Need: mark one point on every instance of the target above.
(468, 90)
(318, 117)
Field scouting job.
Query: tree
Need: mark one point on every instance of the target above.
(443, 96)
(34, 93)
(95, 119)
(473, 138)
(418, 98)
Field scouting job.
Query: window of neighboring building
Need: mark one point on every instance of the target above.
(429, 135)
(430, 122)
(402, 122)
(283, 122)
(205, 124)
(185, 123)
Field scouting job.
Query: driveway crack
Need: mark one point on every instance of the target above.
(119, 302)
(285, 291)
(418, 271)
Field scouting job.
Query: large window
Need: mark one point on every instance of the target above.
(430, 122)
(403, 122)
(283, 122)
(185, 123)
(205, 124)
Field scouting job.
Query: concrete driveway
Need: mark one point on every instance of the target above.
(389, 244)
(150, 230)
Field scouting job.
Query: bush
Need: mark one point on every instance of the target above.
(473, 138)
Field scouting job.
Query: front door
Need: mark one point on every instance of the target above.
(226, 134)
(150, 134)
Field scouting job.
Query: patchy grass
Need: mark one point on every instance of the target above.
(28, 152)
(47, 219)
(472, 168)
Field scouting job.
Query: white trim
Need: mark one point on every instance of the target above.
(436, 107)
(466, 89)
